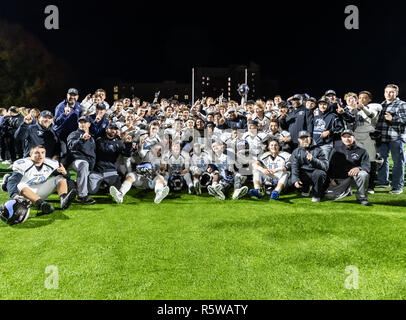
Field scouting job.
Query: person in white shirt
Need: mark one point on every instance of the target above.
(32, 180)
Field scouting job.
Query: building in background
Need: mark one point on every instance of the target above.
(213, 82)
(209, 82)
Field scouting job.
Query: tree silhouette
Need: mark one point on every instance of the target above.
(30, 75)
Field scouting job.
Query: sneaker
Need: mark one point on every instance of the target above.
(86, 200)
(315, 199)
(382, 186)
(393, 191)
(161, 195)
(306, 194)
(255, 193)
(116, 194)
(67, 199)
(198, 187)
(191, 190)
(364, 203)
(344, 194)
(239, 193)
(4, 183)
(371, 191)
(45, 208)
(211, 191)
(6, 162)
(219, 192)
(274, 195)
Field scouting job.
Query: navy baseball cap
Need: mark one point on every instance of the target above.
(328, 92)
(46, 113)
(73, 91)
(83, 118)
(253, 122)
(347, 131)
(112, 125)
(304, 133)
(323, 100)
(297, 97)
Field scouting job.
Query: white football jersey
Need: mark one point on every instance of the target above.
(35, 175)
(200, 161)
(277, 163)
(177, 163)
(256, 143)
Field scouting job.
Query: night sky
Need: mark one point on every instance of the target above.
(302, 45)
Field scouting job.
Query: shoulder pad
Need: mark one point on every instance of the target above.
(22, 165)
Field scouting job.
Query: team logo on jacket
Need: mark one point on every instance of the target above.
(319, 125)
(355, 156)
(40, 133)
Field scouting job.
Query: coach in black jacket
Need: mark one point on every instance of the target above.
(299, 119)
(40, 133)
(309, 167)
(82, 157)
(108, 148)
(350, 160)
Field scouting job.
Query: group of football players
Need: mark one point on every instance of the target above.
(216, 146)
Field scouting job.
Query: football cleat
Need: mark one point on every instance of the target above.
(161, 195)
(116, 194)
(315, 199)
(67, 199)
(274, 195)
(45, 208)
(4, 182)
(239, 193)
(255, 193)
(198, 187)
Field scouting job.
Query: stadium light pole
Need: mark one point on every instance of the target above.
(193, 86)
(246, 82)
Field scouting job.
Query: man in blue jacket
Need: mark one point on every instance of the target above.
(98, 121)
(67, 115)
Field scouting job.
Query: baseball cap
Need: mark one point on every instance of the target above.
(304, 133)
(112, 125)
(46, 113)
(231, 110)
(312, 99)
(13, 109)
(253, 122)
(297, 97)
(328, 92)
(73, 91)
(101, 105)
(323, 100)
(347, 131)
(83, 118)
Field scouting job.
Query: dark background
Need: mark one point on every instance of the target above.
(303, 46)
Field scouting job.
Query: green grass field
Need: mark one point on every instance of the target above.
(192, 247)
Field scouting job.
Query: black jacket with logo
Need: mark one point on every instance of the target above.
(344, 159)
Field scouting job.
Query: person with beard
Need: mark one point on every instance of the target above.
(67, 115)
(234, 120)
(108, 149)
(309, 167)
(326, 124)
(40, 133)
(299, 119)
